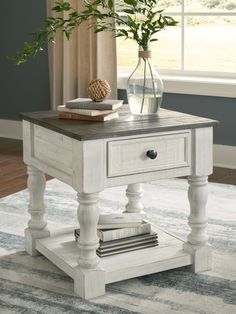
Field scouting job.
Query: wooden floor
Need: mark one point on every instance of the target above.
(13, 175)
(12, 168)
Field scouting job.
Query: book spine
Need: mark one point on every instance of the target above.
(134, 248)
(76, 116)
(85, 106)
(89, 104)
(119, 218)
(119, 226)
(110, 235)
(86, 112)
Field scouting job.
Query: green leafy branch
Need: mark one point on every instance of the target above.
(138, 20)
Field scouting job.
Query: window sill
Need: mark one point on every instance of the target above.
(205, 86)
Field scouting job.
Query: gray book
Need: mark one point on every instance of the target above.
(127, 249)
(86, 103)
(126, 242)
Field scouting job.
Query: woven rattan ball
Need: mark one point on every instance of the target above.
(98, 89)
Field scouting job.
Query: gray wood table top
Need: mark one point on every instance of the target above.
(125, 125)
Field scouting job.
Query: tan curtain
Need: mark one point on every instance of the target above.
(74, 63)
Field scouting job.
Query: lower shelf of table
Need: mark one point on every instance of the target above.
(62, 250)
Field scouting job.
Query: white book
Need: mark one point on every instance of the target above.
(106, 235)
(121, 233)
(113, 221)
(85, 112)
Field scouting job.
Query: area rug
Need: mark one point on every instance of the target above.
(35, 285)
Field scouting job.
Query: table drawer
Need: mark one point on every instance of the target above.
(129, 156)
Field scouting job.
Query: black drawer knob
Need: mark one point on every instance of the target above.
(152, 154)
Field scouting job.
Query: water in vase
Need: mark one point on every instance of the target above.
(144, 105)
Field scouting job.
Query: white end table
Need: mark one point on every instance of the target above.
(91, 156)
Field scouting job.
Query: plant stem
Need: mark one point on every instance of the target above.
(154, 90)
(144, 84)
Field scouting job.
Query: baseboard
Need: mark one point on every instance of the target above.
(224, 156)
(11, 129)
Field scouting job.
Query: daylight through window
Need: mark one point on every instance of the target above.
(204, 42)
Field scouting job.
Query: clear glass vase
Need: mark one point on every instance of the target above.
(144, 86)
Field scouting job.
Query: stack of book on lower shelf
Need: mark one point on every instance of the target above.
(88, 110)
(123, 233)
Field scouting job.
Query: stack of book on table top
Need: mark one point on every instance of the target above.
(88, 110)
(123, 233)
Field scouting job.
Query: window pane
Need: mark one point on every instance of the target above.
(166, 52)
(127, 54)
(210, 5)
(210, 44)
(170, 5)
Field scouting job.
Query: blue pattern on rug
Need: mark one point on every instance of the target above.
(11, 241)
(39, 301)
(183, 280)
(35, 285)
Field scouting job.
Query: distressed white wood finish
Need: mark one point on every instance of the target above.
(159, 173)
(147, 177)
(167, 255)
(197, 239)
(89, 283)
(37, 225)
(128, 156)
(52, 150)
(197, 194)
(87, 272)
(89, 166)
(202, 164)
(88, 215)
(202, 151)
(134, 193)
(28, 130)
(79, 164)
(47, 161)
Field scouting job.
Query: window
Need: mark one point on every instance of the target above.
(203, 44)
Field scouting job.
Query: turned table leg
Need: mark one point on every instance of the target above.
(134, 193)
(37, 225)
(197, 239)
(89, 279)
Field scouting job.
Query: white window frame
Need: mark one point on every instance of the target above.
(193, 82)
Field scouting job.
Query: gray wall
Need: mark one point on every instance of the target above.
(22, 88)
(217, 108)
(26, 88)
